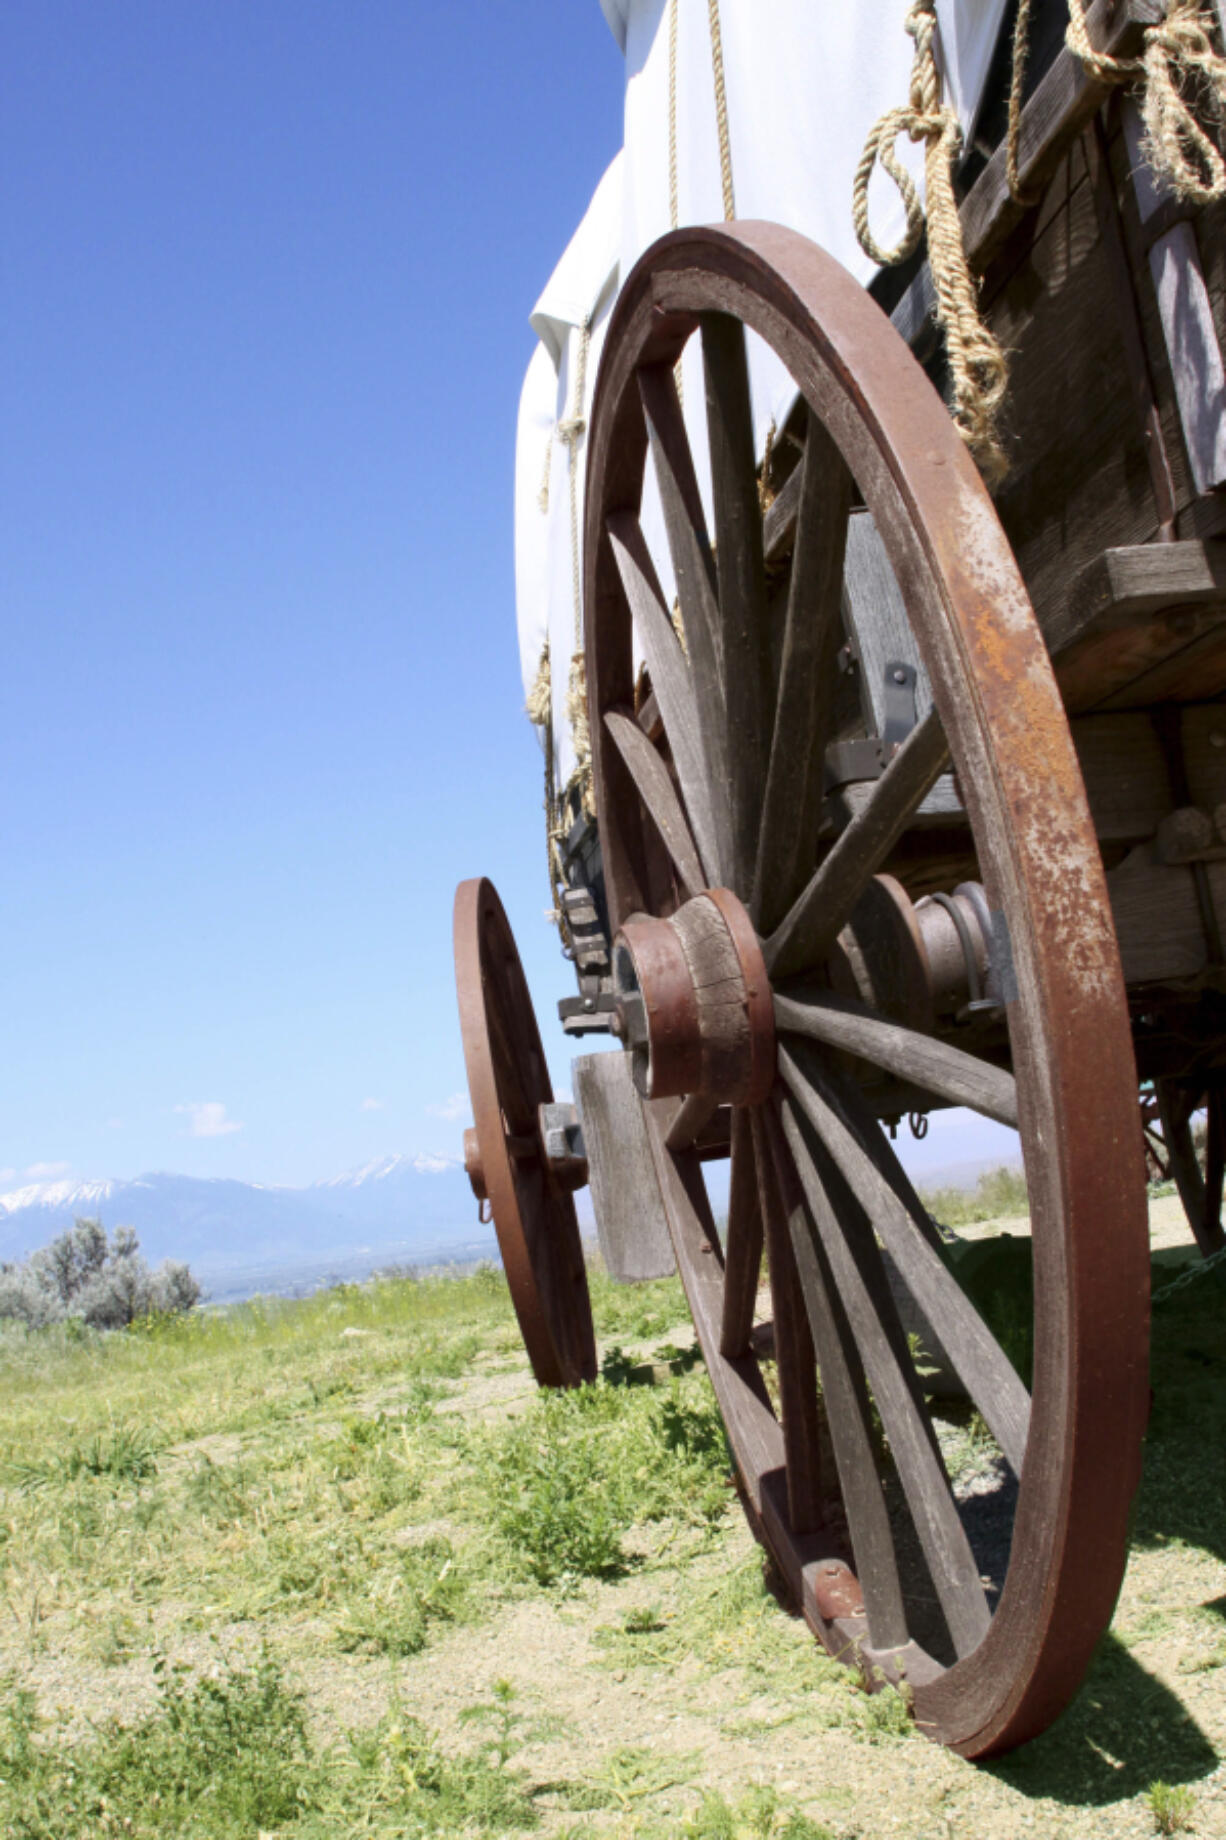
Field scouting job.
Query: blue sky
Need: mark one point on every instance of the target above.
(266, 276)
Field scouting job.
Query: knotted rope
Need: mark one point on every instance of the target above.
(1178, 72)
(976, 361)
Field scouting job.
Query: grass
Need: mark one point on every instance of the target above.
(999, 1194)
(335, 1567)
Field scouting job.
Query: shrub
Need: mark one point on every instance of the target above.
(105, 1283)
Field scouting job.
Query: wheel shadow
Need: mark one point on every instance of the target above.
(1126, 1728)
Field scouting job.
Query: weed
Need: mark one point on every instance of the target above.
(628, 1776)
(759, 1814)
(511, 1728)
(219, 1491)
(121, 1453)
(568, 1479)
(393, 1613)
(399, 1768)
(1172, 1807)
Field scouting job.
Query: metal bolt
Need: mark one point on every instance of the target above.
(899, 675)
(589, 1004)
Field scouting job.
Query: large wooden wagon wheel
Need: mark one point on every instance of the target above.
(730, 998)
(508, 1082)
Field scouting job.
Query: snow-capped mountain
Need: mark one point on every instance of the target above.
(400, 1208)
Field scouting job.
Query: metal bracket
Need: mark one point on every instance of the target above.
(561, 1136)
(899, 704)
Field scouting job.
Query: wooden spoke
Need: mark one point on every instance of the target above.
(794, 1358)
(655, 788)
(847, 1410)
(694, 569)
(858, 1271)
(695, 1113)
(813, 632)
(741, 575)
(818, 915)
(670, 678)
(743, 1242)
(685, 523)
(934, 1066)
(980, 1361)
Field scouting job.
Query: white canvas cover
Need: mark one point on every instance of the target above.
(582, 286)
(805, 81)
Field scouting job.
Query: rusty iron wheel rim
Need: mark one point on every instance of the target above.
(535, 1221)
(1010, 746)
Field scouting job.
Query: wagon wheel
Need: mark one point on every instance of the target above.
(1200, 1192)
(714, 781)
(508, 1080)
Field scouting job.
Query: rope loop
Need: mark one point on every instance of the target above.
(1181, 76)
(977, 363)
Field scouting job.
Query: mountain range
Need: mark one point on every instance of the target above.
(242, 1236)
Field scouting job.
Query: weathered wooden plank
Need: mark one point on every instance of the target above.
(934, 1066)
(1125, 775)
(824, 907)
(877, 618)
(1063, 102)
(970, 1345)
(1193, 672)
(670, 679)
(656, 790)
(1079, 482)
(741, 575)
(813, 631)
(1186, 314)
(1128, 583)
(859, 1275)
(795, 1364)
(743, 1242)
(1127, 611)
(847, 1412)
(1157, 916)
(630, 1219)
(1203, 735)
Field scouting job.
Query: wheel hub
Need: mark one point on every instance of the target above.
(693, 1002)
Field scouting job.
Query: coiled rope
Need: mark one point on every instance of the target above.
(976, 361)
(1178, 73)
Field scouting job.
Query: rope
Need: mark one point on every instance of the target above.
(721, 110)
(1178, 71)
(976, 361)
(1021, 51)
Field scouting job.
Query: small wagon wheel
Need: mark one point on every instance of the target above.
(710, 802)
(508, 1082)
(1199, 1190)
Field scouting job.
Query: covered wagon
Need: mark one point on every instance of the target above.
(871, 556)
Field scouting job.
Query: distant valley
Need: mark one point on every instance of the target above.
(239, 1237)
